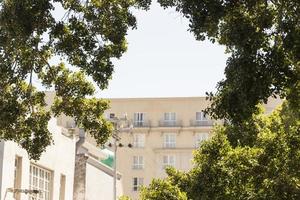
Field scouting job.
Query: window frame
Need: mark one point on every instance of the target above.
(138, 162)
(139, 118)
(201, 137)
(36, 173)
(202, 116)
(62, 187)
(168, 160)
(137, 182)
(168, 141)
(139, 140)
(170, 118)
(17, 176)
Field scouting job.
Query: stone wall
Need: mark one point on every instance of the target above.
(80, 177)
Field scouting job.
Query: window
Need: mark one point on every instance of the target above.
(111, 115)
(138, 162)
(168, 160)
(40, 179)
(139, 119)
(17, 176)
(170, 117)
(138, 140)
(62, 188)
(170, 140)
(200, 116)
(137, 182)
(200, 137)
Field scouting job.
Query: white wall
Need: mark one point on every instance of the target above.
(99, 184)
(59, 158)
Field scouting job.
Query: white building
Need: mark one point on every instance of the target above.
(71, 168)
(53, 174)
(93, 179)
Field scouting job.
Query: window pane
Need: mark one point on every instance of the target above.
(173, 116)
(200, 116)
(170, 140)
(139, 140)
(166, 116)
(200, 137)
(41, 180)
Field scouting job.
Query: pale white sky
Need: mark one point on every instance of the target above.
(164, 60)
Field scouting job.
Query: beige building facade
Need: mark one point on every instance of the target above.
(165, 132)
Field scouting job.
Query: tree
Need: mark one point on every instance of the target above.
(124, 198)
(252, 156)
(86, 37)
(268, 169)
(263, 38)
(163, 190)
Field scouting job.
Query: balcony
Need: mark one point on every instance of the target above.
(141, 124)
(171, 123)
(201, 122)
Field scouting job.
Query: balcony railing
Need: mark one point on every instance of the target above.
(141, 123)
(173, 123)
(202, 122)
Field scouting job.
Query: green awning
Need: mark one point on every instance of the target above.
(108, 161)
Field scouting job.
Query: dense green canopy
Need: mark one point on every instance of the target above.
(263, 39)
(164, 190)
(38, 46)
(253, 156)
(267, 168)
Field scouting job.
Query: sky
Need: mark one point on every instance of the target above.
(164, 60)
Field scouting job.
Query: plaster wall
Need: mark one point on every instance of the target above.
(99, 185)
(59, 158)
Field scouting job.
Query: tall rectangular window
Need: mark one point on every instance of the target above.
(62, 188)
(136, 183)
(168, 160)
(138, 162)
(40, 179)
(200, 137)
(170, 140)
(139, 119)
(170, 118)
(17, 176)
(139, 140)
(200, 116)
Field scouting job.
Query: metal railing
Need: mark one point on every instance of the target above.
(201, 122)
(141, 123)
(170, 123)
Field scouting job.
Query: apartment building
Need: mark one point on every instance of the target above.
(165, 132)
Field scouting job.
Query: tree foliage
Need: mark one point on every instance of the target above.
(124, 198)
(263, 38)
(253, 156)
(37, 45)
(267, 169)
(163, 190)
